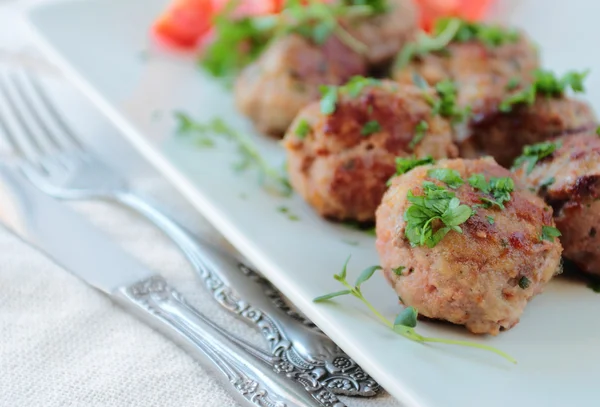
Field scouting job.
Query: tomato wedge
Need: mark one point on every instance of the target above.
(431, 10)
(185, 22)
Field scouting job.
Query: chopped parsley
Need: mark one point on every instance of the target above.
(534, 153)
(499, 188)
(420, 130)
(447, 30)
(524, 282)
(353, 88)
(398, 270)
(329, 98)
(598, 130)
(545, 83)
(446, 105)
(405, 164)
(436, 204)
(549, 233)
(370, 127)
(271, 179)
(490, 220)
(547, 182)
(302, 129)
(513, 84)
(448, 176)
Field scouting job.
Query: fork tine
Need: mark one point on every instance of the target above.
(38, 94)
(13, 125)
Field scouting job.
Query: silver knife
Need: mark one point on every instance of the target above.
(255, 378)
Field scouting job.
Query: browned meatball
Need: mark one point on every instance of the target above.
(482, 277)
(569, 180)
(386, 34)
(340, 168)
(484, 75)
(503, 135)
(273, 89)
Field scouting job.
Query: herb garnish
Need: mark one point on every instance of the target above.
(405, 322)
(239, 41)
(302, 129)
(446, 105)
(398, 270)
(547, 182)
(352, 88)
(545, 83)
(370, 127)
(447, 30)
(524, 282)
(420, 130)
(498, 187)
(534, 153)
(448, 176)
(436, 205)
(513, 84)
(405, 164)
(549, 233)
(490, 220)
(269, 178)
(329, 97)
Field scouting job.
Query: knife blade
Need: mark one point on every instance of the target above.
(255, 378)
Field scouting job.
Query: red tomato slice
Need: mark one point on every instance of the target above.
(431, 10)
(185, 22)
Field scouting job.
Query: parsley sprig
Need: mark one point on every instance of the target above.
(549, 233)
(436, 206)
(534, 153)
(271, 179)
(405, 164)
(330, 94)
(448, 30)
(405, 322)
(548, 84)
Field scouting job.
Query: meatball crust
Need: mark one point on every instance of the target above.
(386, 34)
(341, 171)
(481, 278)
(287, 76)
(503, 135)
(569, 180)
(483, 74)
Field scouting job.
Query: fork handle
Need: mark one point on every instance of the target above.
(258, 379)
(235, 287)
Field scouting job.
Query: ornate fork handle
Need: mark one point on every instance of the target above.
(258, 378)
(241, 291)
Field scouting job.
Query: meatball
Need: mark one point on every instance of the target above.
(484, 75)
(481, 277)
(569, 181)
(503, 135)
(341, 163)
(273, 89)
(385, 34)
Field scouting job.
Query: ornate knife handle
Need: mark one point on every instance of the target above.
(241, 291)
(258, 379)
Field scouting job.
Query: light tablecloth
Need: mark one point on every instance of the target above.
(64, 344)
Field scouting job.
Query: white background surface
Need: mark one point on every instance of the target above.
(558, 365)
(61, 342)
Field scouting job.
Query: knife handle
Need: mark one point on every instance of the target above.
(257, 378)
(241, 291)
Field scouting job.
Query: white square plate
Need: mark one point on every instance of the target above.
(104, 47)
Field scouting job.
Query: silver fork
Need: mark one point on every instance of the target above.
(60, 165)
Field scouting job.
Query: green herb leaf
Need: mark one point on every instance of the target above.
(269, 178)
(329, 99)
(405, 164)
(344, 271)
(547, 182)
(549, 233)
(398, 270)
(513, 84)
(302, 129)
(437, 203)
(534, 153)
(365, 275)
(356, 84)
(370, 127)
(478, 181)
(499, 188)
(450, 177)
(524, 282)
(408, 318)
(420, 130)
(490, 220)
(447, 105)
(331, 295)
